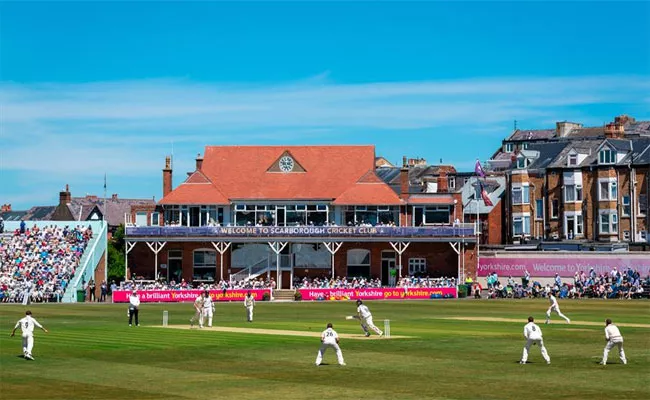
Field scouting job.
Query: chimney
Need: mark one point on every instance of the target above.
(199, 162)
(614, 130)
(167, 176)
(624, 119)
(114, 196)
(5, 208)
(404, 181)
(443, 184)
(65, 197)
(563, 128)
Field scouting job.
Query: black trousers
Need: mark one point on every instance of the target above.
(133, 312)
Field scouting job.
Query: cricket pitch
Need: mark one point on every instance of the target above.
(280, 332)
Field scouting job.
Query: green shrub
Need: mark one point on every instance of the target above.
(266, 296)
(462, 291)
(297, 296)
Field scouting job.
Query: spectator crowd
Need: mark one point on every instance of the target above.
(39, 262)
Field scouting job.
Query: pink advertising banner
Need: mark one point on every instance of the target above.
(566, 266)
(378, 294)
(177, 296)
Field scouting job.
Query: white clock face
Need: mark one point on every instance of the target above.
(286, 164)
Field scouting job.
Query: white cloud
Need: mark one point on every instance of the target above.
(126, 127)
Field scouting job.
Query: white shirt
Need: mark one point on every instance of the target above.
(363, 311)
(207, 302)
(27, 325)
(134, 301)
(249, 301)
(532, 331)
(329, 336)
(198, 303)
(612, 333)
(553, 300)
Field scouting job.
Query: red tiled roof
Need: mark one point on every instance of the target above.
(195, 193)
(430, 200)
(240, 172)
(369, 190)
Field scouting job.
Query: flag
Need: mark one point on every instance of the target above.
(484, 195)
(478, 170)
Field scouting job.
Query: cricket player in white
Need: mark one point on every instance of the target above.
(198, 312)
(26, 325)
(365, 317)
(614, 338)
(554, 307)
(533, 336)
(249, 304)
(329, 338)
(208, 308)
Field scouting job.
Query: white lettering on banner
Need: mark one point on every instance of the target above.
(566, 267)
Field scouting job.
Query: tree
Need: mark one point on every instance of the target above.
(115, 252)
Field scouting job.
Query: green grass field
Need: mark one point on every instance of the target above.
(91, 353)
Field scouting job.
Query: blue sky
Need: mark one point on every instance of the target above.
(89, 88)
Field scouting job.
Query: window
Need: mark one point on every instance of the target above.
(572, 193)
(509, 147)
(573, 160)
(417, 266)
(358, 263)
(436, 215)
(155, 219)
(608, 190)
(525, 146)
(520, 195)
(626, 206)
(606, 156)
(643, 204)
(205, 265)
(573, 225)
(539, 209)
(608, 222)
(521, 225)
(644, 235)
(451, 182)
(521, 162)
(555, 208)
(373, 215)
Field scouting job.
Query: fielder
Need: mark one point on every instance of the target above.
(249, 304)
(208, 308)
(614, 338)
(533, 336)
(365, 318)
(198, 312)
(26, 325)
(554, 307)
(329, 338)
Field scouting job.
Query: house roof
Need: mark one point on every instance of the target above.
(376, 194)
(532, 134)
(547, 153)
(82, 207)
(250, 173)
(431, 199)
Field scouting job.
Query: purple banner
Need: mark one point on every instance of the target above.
(302, 231)
(566, 265)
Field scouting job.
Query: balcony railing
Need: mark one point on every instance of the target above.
(455, 230)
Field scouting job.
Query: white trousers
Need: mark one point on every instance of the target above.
(28, 344)
(557, 310)
(26, 295)
(337, 349)
(610, 345)
(198, 317)
(530, 342)
(249, 313)
(207, 313)
(367, 323)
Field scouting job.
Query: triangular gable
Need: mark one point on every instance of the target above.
(282, 163)
(197, 177)
(370, 177)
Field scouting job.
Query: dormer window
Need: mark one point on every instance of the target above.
(510, 147)
(606, 156)
(522, 162)
(525, 145)
(573, 160)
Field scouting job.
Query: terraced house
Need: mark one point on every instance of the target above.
(577, 184)
(285, 211)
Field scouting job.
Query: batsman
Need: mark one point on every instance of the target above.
(365, 318)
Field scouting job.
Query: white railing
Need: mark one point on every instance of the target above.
(251, 272)
(89, 260)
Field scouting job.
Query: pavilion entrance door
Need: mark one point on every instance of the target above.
(387, 266)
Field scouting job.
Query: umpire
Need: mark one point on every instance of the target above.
(134, 305)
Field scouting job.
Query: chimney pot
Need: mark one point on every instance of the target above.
(114, 196)
(167, 177)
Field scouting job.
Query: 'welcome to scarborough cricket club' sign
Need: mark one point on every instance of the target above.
(300, 231)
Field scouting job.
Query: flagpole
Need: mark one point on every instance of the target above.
(105, 208)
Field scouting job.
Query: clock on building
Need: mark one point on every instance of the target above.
(286, 164)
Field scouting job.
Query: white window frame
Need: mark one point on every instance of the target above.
(575, 190)
(509, 147)
(608, 218)
(578, 223)
(155, 218)
(451, 182)
(525, 193)
(574, 158)
(611, 192)
(606, 156)
(521, 163)
(214, 254)
(539, 209)
(524, 219)
(625, 202)
(417, 265)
